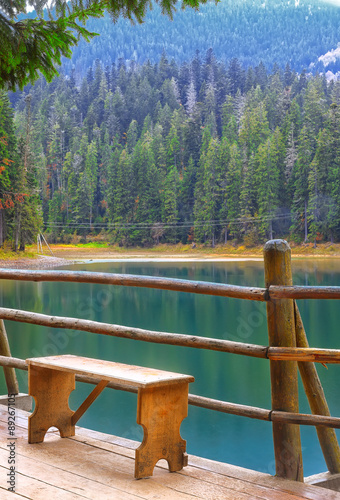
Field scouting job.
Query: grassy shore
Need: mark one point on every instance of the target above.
(100, 250)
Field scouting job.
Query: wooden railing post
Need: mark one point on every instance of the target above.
(10, 376)
(284, 380)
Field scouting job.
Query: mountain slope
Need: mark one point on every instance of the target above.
(272, 31)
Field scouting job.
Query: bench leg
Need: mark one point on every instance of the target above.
(160, 411)
(51, 390)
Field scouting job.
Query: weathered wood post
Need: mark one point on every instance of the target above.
(284, 381)
(10, 376)
(317, 400)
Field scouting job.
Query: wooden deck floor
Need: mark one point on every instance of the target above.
(100, 466)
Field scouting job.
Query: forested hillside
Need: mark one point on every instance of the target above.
(280, 31)
(196, 152)
(20, 203)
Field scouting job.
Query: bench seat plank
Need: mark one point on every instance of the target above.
(137, 376)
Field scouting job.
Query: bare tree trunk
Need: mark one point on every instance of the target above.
(306, 227)
(16, 230)
(271, 230)
(22, 245)
(226, 236)
(2, 239)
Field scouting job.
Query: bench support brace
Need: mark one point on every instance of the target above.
(51, 390)
(88, 401)
(161, 410)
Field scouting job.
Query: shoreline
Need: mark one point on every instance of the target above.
(66, 255)
(49, 262)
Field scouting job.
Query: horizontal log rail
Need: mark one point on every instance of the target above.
(177, 285)
(253, 350)
(178, 339)
(212, 404)
(276, 292)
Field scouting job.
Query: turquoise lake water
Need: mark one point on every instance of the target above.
(239, 379)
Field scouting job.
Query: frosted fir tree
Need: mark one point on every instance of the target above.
(191, 98)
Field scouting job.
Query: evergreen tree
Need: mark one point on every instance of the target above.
(8, 163)
(314, 107)
(124, 190)
(170, 204)
(208, 193)
(27, 210)
(147, 195)
(254, 128)
(333, 177)
(301, 190)
(236, 77)
(231, 203)
(267, 176)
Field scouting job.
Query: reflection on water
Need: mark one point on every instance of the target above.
(228, 377)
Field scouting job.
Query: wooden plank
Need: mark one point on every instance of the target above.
(297, 488)
(128, 444)
(22, 401)
(21, 432)
(153, 488)
(31, 488)
(9, 495)
(21, 419)
(125, 447)
(248, 478)
(210, 490)
(264, 492)
(326, 480)
(204, 489)
(97, 465)
(231, 483)
(63, 457)
(56, 477)
(116, 455)
(109, 370)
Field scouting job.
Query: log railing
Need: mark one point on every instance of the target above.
(288, 348)
(196, 342)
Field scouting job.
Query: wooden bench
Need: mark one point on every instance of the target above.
(162, 404)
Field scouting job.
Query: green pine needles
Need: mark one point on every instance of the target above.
(33, 46)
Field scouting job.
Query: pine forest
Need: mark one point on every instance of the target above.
(197, 152)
